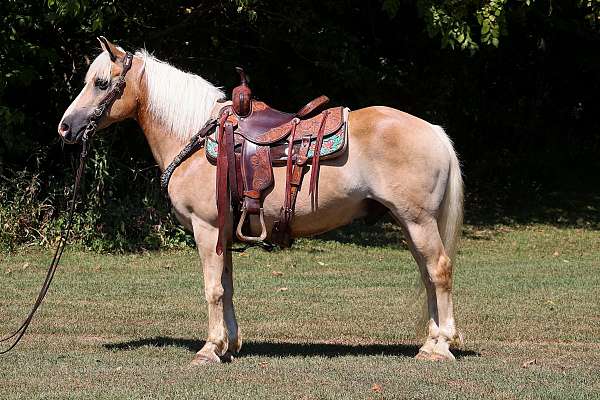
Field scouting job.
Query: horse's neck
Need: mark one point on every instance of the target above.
(164, 144)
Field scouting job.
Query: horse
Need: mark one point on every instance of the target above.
(394, 162)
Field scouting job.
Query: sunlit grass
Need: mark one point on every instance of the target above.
(126, 326)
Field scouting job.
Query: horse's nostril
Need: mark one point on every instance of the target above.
(64, 128)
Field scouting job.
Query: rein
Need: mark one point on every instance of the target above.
(193, 145)
(90, 129)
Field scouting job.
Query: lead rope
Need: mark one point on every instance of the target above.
(20, 332)
(97, 114)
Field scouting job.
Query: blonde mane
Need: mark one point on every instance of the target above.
(181, 101)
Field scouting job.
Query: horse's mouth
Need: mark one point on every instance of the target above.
(74, 138)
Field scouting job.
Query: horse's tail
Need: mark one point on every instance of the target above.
(450, 218)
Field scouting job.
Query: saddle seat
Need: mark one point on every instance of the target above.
(265, 125)
(261, 120)
(251, 138)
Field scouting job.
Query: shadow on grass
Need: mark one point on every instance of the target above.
(382, 232)
(285, 349)
(483, 214)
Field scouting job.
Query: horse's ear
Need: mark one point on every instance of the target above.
(115, 52)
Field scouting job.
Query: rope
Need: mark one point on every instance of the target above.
(64, 236)
(90, 129)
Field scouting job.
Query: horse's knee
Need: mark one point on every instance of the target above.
(441, 272)
(214, 294)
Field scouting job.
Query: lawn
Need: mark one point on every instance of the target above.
(332, 318)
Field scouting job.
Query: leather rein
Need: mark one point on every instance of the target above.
(95, 117)
(193, 145)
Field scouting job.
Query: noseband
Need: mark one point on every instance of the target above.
(115, 92)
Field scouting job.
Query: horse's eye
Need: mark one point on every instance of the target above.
(101, 84)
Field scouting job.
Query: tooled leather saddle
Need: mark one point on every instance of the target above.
(251, 138)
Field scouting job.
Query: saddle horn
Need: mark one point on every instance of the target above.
(242, 95)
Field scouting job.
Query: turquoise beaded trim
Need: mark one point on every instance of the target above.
(212, 148)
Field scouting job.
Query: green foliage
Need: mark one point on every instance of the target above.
(247, 7)
(454, 22)
(503, 82)
(491, 17)
(33, 210)
(453, 29)
(91, 14)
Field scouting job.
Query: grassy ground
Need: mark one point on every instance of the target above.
(328, 319)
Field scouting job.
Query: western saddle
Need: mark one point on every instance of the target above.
(251, 138)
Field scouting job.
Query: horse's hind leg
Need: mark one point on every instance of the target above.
(436, 272)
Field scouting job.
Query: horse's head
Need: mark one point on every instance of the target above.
(100, 79)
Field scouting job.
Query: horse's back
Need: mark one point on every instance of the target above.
(390, 134)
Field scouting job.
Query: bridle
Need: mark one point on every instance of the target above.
(115, 92)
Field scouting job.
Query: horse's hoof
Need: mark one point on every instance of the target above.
(423, 355)
(235, 346)
(442, 357)
(203, 359)
(227, 357)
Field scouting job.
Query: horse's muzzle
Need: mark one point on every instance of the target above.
(71, 129)
(72, 138)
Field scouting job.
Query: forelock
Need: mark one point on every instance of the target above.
(100, 69)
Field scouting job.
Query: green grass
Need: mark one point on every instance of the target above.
(126, 326)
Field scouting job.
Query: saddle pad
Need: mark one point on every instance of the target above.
(334, 141)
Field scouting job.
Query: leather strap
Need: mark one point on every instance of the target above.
(312, 106)
(194, 144)
(90, 129)
(115, 92)
(296, 166)
(314, 174)
(221, 181)
(232, 166)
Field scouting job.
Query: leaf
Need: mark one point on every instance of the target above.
(485, 27)
(376, 388)
(529, 363)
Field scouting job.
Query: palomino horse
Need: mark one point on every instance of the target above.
(393, 161)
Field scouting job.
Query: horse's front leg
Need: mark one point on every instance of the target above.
(223, 339)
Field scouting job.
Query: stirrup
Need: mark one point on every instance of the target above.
(251, 239)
